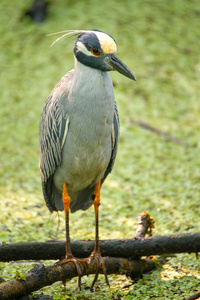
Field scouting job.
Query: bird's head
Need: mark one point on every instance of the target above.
(97, 50)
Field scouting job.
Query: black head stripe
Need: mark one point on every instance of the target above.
(90, 40)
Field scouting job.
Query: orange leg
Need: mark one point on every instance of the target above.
(66, 203)
(68, 256)
(96, 253)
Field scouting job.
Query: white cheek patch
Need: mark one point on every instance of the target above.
(83, 49)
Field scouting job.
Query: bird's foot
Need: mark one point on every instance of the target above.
(77, 262)
(96, 255)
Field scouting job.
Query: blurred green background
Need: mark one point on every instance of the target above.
(160, 43)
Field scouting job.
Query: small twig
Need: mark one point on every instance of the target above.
(160, 132)
(144, 225)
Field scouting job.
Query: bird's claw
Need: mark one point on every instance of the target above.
(76, 262)
(96, 255)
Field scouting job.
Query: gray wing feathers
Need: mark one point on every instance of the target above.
(53, 132)
(116, 133)
(52, 128)
(115, 142)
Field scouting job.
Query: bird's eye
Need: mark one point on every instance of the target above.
(95, 51)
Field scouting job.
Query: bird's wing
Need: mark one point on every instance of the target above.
(115, 141)
(53, 132)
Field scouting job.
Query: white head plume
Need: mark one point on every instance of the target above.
(67, 33)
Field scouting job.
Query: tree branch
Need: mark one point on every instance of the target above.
(41, 276)
(181, 243)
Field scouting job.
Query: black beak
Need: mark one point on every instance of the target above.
(117, 65)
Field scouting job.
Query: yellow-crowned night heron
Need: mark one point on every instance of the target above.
(79, 132)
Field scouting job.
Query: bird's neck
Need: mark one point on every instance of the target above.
(89, 81)
(92, 91)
